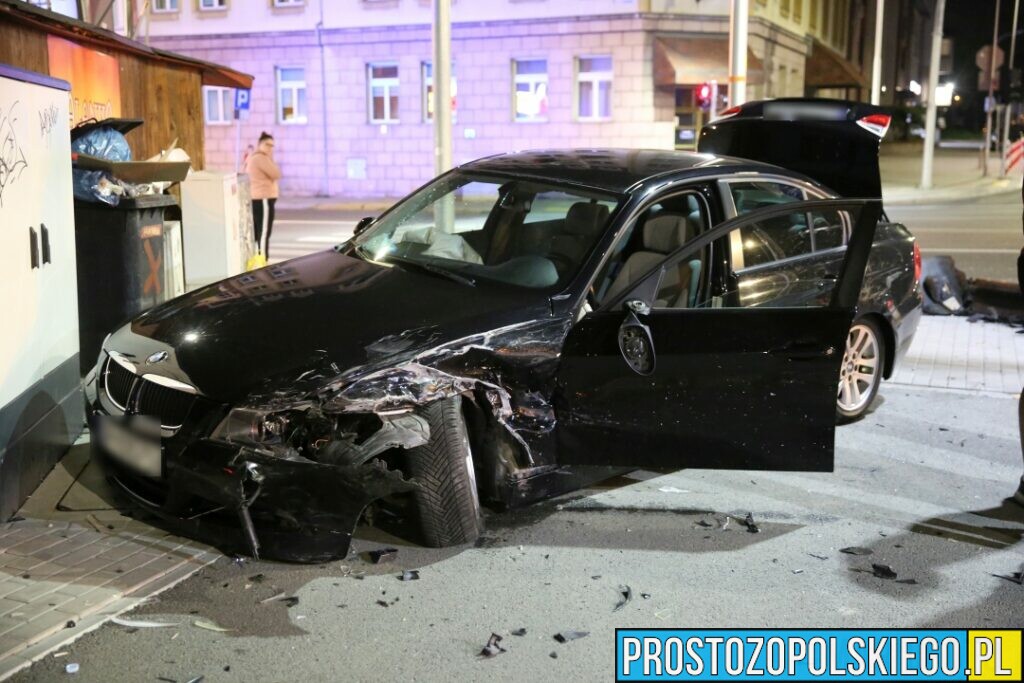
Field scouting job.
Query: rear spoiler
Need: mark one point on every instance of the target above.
(834, 142)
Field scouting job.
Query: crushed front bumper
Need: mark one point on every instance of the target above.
(239, 498)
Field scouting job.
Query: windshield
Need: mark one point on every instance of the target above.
(513, 231)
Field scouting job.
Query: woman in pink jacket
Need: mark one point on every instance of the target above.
(263, 174)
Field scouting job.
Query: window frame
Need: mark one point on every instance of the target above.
(166, 10)
(220, 6)
(426, 94)
(532, 80)
(279, 87)
(227, 115)
(289, 4)
(595, 78)
(388, 83)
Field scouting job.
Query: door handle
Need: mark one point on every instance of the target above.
(46, 243)
(799, 351)
(33, 248)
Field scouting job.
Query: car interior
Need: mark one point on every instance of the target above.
(658, 232)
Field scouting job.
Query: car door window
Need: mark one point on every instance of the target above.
(750, 196)
(766, 278)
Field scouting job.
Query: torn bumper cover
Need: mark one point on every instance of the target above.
(240, 497)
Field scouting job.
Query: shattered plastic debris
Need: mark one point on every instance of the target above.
(71, 668)
(257, 578)
(553, 655)
(566, 636)
(133, 623)
(272, 598)
(749, 523)
(519, 632)
(645, 596)
(210, 626)
(855, 550)
(627, 594)
(290, 600)
(818, 557)
(492, 649)
(883, 571)
(672, 489)
(410, 575)
(382, 555)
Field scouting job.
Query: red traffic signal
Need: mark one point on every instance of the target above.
(704, 92)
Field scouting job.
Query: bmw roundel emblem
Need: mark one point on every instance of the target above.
(158, 357)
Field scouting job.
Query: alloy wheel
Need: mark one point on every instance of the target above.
(859, 372)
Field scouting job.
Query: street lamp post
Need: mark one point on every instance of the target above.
(990, 102)
(876, 60)
(1005, 135)
(442, 68)
(738, 52)
(933, 82)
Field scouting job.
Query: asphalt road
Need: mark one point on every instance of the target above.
(920, 483)
(983, 236)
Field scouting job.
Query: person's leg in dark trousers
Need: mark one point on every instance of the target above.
(268, 225)
(257, 222)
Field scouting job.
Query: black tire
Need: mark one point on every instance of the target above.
(847, 410)
(446, 501)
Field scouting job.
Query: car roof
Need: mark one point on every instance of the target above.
(615, 170)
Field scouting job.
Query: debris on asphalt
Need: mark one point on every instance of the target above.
(519, 632)
(627, 594)
(595, 577)
(749, 523)
(883, 571)
(210, 626)
(818, 557)
(909, 582)
(273, 598)
(290, 600)
(1015, 577)
(132, 623)
(566, 636)
(61, 654)
(383, 603)
(257, 578)
(70, 624)
(492, 649)
(553, 655)
(410, 575)
(672, 489)
(197, 679)
(71, 668)
(798, 571)
(96, 524)
(855, 550)
(704, 523)
(382, 555)
(645, 596)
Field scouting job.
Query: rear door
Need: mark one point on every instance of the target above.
(713, 381)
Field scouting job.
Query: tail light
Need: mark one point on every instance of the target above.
(875, 123)
(917, 263)
(731, 111)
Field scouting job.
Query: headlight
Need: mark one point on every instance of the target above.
(254, 426)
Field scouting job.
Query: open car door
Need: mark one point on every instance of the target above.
(653, 378)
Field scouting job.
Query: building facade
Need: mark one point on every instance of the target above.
(345, 85)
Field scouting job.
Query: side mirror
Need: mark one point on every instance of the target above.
(636, 343)
(363, 224)
(638, 306)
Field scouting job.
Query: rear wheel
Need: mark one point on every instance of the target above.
(861, 372)
(446, 500)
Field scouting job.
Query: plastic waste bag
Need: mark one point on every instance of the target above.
(100, 186)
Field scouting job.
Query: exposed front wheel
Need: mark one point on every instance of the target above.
(861, 372)
(446, 500)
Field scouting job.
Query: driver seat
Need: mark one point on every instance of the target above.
(662, 234)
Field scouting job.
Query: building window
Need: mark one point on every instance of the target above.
(814, 14)
(207, 5)
(165, 6)
(594, 88)
(218, 105)
(428, 92)
(383, 92)
(530, 89)
(289, 3)
(291, 95)
(798, 11)
(784, 8)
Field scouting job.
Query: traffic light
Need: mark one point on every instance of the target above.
(704, 93)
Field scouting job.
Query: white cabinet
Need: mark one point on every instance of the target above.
(216, 227)
(41, 407)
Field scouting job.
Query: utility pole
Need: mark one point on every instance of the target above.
(933, 83)
(990, 102)
(876, 63)
(442, 68)
(1005, 135)
(740, 18)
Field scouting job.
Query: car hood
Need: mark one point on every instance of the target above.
(311, 318)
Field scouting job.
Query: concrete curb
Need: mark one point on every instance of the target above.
(913, 196)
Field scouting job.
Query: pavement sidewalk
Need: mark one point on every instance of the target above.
(69, 561)
(957, 175)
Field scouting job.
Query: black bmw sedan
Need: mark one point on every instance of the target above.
(519, 326)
